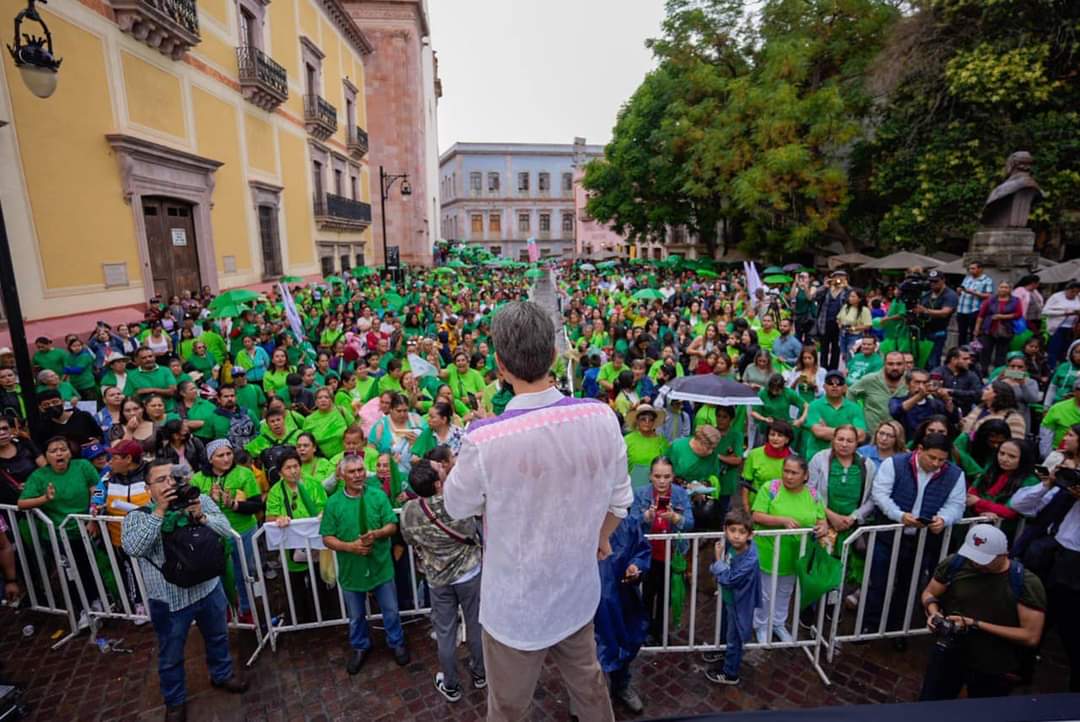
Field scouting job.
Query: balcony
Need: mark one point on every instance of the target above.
(337, 213)
(262, 81)
(320, 118)
(358, 142)
(169, 26)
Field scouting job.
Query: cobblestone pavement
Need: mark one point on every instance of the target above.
(306, 679)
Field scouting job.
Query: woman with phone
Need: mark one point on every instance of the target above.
(989, 495)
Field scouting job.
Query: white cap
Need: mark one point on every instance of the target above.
(984, 544)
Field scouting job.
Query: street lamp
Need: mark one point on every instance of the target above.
(33, 55)
(38, 66)
(386, 182)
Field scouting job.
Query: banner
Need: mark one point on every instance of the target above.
(290, 312)
(534, 250)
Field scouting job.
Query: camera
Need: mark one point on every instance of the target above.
(912, 289)
(946, 632)
(186, 494)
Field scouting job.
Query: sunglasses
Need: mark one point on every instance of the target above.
(834, 382)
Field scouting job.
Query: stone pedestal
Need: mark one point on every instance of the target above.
(1005, 253)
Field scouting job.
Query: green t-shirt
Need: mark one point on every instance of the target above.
(803, 506)
(53, 359)
(640, 452)
(239, 479)
(204, 411)
(342, 520)
(609, 373)
(778, 407)
(1061, 417)
(365, 389)
(759, 469)
(305, 502)
(689, 466)
(251, 397)
(389, 383)
(328, 428)
(72, 490)
(84, 379)
(159, 377)
(860, 365)
(266, 440)
(319, 469)
(215, 345)
(821, 410)
(767, 338)
(461, 385)
(731, 444)
(204, 364)
(274, 382)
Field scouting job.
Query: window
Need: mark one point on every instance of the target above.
(248, 28)
(327, 264)
(568, 222)
(317, 179)
(567, 182)
(493, 182)
(312, 59)
(354, 186)
(496, 250)
(311, 83)
(544, 183)
(268, 237)
(523, 182)
(524, 224)
(477, 222)
(545, 222)
(475, 182)
(339, 182)
(495, 223)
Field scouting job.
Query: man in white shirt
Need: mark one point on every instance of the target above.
(549, 476)
(1060, 312)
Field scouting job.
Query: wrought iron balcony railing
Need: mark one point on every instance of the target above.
(319, 116)
(262, 81)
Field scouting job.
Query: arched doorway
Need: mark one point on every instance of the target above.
(171, 241)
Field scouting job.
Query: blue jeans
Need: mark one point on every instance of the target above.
(733, 652)
(934, 360)
(172, 632)
(1059, 343)
(249, 555)
(386, 596)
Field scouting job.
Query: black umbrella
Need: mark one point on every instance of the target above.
(710, 389)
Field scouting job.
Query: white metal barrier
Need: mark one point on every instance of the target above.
(874, 535)
(811, 645)
(93, 531)
(45, 570)
(286, 618)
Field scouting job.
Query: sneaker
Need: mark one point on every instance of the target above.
(401, 655)
(479, 681)
(630, 700)
(356, 661)
(719, 678)
(851, 601)
(84, 620)
(760, 634)
(782, 634)
(711, 657)
(452, 694)
(140, 612)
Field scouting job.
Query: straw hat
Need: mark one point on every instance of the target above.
(632, 415)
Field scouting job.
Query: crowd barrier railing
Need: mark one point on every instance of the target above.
(811, 645)
(282, 611)
(44, 569)
(92, 535)
(893, 534)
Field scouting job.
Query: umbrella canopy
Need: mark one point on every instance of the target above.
(393, 300)
(456, 264)
(772, 269)
(362, 271)
(587, 267)
(711, 389)
(228, 310)
(291, 279)
(848, 259)
(534, 273)
(333, 279)
(444, 271)
(706, 273)
(777, 278)
(607, 264)
(792, 267)
(1061, 273)
(901, 261)
(233, 297)
(648, 294)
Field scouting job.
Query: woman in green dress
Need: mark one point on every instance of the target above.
(79, 368)
(327, 423)
(313, 464)
(643, 444)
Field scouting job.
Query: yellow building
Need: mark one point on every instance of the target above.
(189, 143)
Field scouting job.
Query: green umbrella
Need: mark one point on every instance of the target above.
(777, 279)
(587, 267)
(393, 300)
(333, 279)
(648, 294)
(607, 264)
(233, 297)
(773, 269)
(706, 273)
(637, 260)
(291, 279)
(363, 271)
(227, 310)
(534, 273)
(457, 264)
(444, 271)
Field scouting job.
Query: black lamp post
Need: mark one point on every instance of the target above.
(38, 67)
(386, 182)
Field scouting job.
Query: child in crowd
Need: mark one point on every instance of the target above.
(736, 572)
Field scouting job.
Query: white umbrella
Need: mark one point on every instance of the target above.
(901, 261)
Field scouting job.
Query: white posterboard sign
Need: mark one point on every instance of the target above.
(179, 236)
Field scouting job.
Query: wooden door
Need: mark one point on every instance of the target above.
(170, 238)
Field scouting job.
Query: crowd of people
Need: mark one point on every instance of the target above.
(389, 414)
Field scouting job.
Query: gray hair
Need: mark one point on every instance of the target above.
(524, 337)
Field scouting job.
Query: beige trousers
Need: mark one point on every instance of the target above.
(512, 675)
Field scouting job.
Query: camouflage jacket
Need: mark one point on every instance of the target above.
(444, 559)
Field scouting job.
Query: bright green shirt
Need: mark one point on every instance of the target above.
(640, 452)
(389, 383)
(328, 428)
(72, 490)
(203, 410)
(274, 382)
(779, 407)
(159, 377)
(342, 520)
(304, 502)
(238, 479)
(759, 469)
(1061, 417)
(609, 373)
(461, 385)
(688, 465)
(860, 365)
(821, 410)
(766, 338)
(82, 380)
(803, 506)
(252, 398)
(53, 359)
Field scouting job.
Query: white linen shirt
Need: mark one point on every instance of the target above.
(544, 475)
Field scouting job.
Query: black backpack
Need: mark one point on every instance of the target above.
(194, 554)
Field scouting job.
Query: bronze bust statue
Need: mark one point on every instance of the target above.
(1009, 205)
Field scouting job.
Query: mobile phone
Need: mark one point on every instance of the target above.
(663, 503)
(1014, 374)
(925, 520)
(1041, 470)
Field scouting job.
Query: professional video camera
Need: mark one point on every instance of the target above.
(913, 288)
(186, 494)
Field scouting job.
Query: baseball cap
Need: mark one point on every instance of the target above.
(837, 273)
(839, 375)
(934, 275)
(127, 447)
(239, 371)
(983, 544)
(93, 451)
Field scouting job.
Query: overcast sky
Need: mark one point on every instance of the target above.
(539, 71)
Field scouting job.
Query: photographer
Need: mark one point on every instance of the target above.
(830, 300)
(987, 614)
(926, 397)
(195, 594)
(933, 311)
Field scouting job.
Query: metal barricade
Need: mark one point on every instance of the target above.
(874, 534)
(92, 536)
(44, 569)
(810, 645)
(286, 618)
